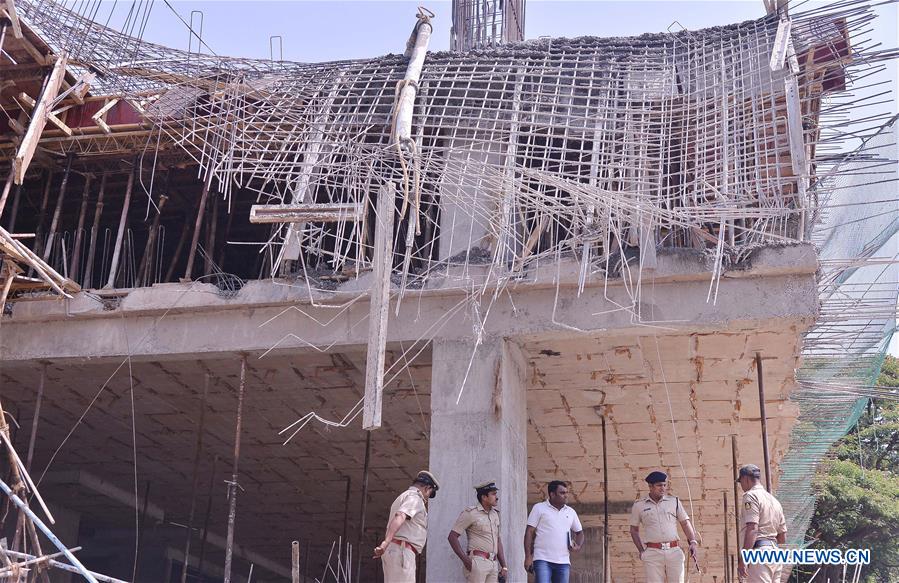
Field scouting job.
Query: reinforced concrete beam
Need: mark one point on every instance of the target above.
(192, 320)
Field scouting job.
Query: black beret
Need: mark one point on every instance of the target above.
(656, 477)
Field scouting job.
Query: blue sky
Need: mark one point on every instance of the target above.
(316, 30)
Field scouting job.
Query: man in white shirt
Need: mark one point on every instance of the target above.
(553, 531)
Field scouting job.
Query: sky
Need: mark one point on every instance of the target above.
(317, 30)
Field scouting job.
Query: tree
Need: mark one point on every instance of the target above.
(858, 489)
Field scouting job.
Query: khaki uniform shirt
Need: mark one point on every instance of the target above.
(760, 507)
(415, 530)
(482, 528)
(658, 519)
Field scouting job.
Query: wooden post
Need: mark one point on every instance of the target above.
(295, 562)
(733, 453)
(37, 416)
(606, 571)
(726, 542)
(215, 463)
(363, 506)
(39, 231)
(379, 308)
(6, 186)
(95, 227)
(188, 271)
(210, 236)
(76, 249)
(141, 526)
(120, 234)
(306, 562)
(182, 240)
(54, 222)
(346, 511)
(14, 212)
(764, 419)
(196, 478)
(145, 274)
(232, 485)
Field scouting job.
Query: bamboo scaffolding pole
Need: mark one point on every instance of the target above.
(120, 233)
(232, 485)
(195, 481)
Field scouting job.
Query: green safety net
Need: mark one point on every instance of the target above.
(854, 230)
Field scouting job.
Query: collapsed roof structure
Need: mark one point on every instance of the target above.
(525, 241)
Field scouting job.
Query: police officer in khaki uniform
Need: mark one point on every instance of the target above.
(659, 548)
(764, 525)
(484, 562)
(407, 530)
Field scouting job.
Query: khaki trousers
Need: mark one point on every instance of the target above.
(664, 566)
(399, 564)
(763, 573)
(482, 570)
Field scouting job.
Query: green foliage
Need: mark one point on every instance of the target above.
(858, 489)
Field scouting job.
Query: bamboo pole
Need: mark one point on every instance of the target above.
(95, 227)
(196, 478)
(215, 462)
(37, 416)
(14, 212)
(144, 275)
(764, 420)
(42, 214)
(210, 238)
(120, 234)
(606, 571)
(76, 248)
(363, 504)
(201, 210)
(232, 485)
(54, 222)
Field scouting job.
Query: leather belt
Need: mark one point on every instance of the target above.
(484, 554)
(405, 543)
(663, 546)
(764, 542)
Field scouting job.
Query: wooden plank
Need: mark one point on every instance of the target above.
(13, 18)
(51, 116)
(38, 120)
(100, 117)
(305, 213)
(379, 308)
(781, 42)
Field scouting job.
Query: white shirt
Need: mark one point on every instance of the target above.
(553, 526)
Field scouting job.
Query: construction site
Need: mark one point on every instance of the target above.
(245, 301)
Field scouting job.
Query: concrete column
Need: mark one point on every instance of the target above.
(482, 438)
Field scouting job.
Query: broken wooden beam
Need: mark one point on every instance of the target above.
(306, 213)
(38, 120)
(379, 309)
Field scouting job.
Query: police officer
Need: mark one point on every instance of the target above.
(485, 561)
(659, 548)
(764, 525)
(407, 530)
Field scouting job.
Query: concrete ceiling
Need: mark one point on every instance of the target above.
(705, 381)
(290, 492)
